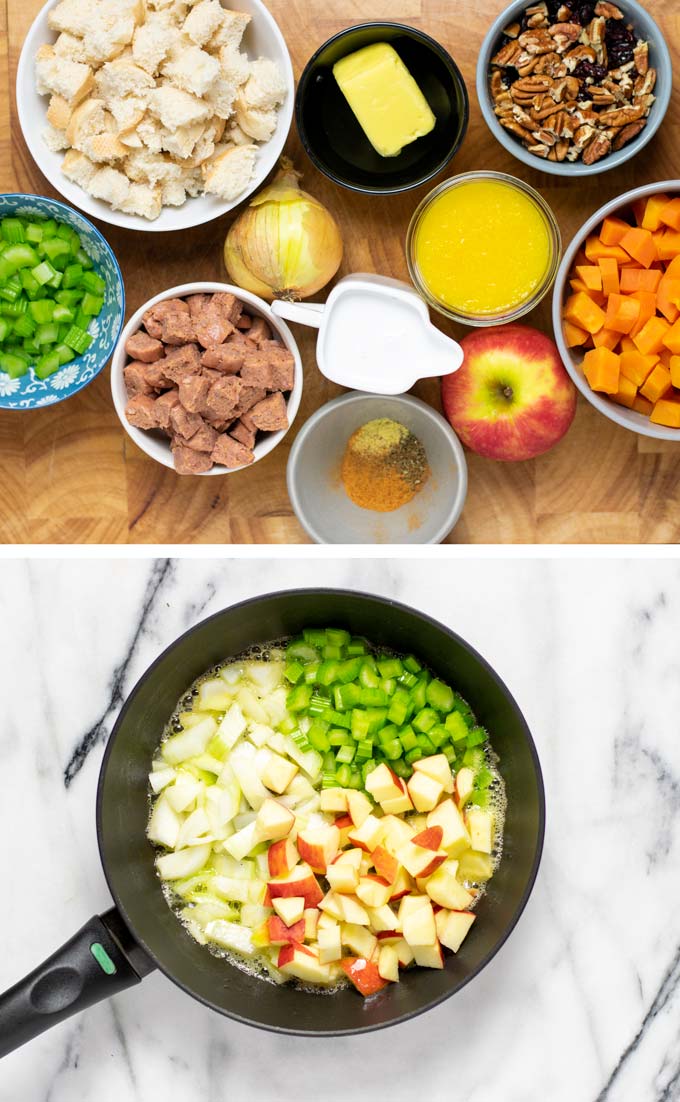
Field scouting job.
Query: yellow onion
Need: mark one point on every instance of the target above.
(285, 244)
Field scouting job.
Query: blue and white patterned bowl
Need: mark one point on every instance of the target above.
(29, 392)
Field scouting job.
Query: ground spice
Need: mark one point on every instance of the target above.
(384, 466)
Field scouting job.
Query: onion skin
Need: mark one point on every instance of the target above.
(285, 244)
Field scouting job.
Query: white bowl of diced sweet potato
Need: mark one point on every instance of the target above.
(616, 310)
(206, 379)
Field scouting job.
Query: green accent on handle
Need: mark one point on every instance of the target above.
(102, 958)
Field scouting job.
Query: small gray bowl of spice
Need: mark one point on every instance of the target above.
(368, 468)
(574, 88)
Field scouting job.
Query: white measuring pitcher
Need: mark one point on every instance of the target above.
(375, 335)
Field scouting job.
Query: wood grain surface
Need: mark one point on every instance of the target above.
(70, 474)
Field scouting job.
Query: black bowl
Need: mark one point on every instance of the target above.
(332, 136)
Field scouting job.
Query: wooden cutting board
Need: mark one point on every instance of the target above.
(70, 474)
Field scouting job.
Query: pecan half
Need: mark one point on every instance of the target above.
(607, 10)
(551, 65)
(515, 128)
(627, 133)
(645, 84)
(620, 116)
(512, 30)
(507, 55)
(598, 148)
(537, 42)
(641, 58)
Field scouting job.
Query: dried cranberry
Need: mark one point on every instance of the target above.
(586, 70)
(583, 13)
(620, 43)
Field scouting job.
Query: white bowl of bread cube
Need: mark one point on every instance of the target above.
(155, 115)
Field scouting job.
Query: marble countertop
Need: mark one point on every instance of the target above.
(582, 1004)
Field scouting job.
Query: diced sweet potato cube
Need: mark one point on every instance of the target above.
(606, 338)
(673, 268)
(675, 371)
(622, 313)
(643, 405)
(582, 311)
(639, 279)
(639, 244)
(601, 369)
(669, 245)
(627, 392)
(647, 300)
(627, 345)
(669, 214)
(613, 230)
(596, 248)
(638, 208)
(574, 336)
(636, 367)
(667, 298)
(650, 338)
(652, 218)
(657, 383)
(665, 357)
(666, 412)
(672, 338)
(577, 285)
(609, 275)
(591, 276)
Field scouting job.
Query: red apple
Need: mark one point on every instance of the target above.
(511, 398)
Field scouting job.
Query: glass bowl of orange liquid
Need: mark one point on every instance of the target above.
(483, 248)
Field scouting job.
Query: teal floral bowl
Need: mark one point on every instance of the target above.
(28, 391)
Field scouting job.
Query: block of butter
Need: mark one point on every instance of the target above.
(385, 98)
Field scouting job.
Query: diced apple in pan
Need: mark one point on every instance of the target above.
(282, 857)
(304, 964)
(388, 963)
(465, 783)
(383, 784)
(425, 792)
(455, 838)
(273, 821)
(342, 877)
(300, 881)
(289, 908)
(368, 835)
(278, 773)
(359, 807)
(443, 888)
(373, 891)
(318, 846)
(364, 975)
(333, 799)
(438, 768)
(453, 927)
(479, 823)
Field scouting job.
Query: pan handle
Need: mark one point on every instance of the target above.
(100, 960)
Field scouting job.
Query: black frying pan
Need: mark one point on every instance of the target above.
(115, 950)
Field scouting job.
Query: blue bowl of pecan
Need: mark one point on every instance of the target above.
(577, 88)
(206, 379)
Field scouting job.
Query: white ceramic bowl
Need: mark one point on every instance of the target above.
(155, 444)
(573, 357)
(262, 39)
(318, 496)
